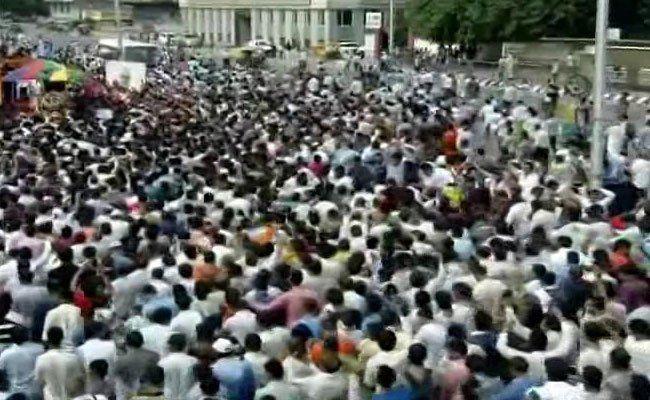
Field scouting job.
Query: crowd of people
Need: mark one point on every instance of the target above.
(246, 236)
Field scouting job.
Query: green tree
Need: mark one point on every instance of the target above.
(497, 20)
(24, 7)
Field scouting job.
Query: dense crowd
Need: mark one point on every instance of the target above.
(247, 236)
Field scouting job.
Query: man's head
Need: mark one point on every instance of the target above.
(54, 337)
(386, 377)
(593, 377)
(620, 359)
(177, 342)
(557, 369)
(518, 366)
(253, 343)
(134, 339)
(274, 369)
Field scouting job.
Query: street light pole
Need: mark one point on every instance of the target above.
(598, 139)
(391, 37)
(118, 26)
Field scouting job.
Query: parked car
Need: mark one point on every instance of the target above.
(350, 49)
(261, 46)
(165, 38)
(186, 40)
(83, 29)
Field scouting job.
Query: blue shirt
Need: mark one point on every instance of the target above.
(236, 378)
(314, 325)
(516, 389)
(395, 394)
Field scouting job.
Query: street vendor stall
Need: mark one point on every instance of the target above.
(21, 87)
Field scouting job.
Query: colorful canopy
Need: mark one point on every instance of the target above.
(39, 69)
(30, 70)
(59, 76)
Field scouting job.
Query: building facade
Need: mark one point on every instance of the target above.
(64, 10)
(302, 23)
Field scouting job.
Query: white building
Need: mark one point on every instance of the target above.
(64, 10)
(303, 23)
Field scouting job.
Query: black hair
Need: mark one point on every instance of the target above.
(592, 376)
(177, 342)
(386, 376)
(334, 295)
(519, 365)
(55, 336)
(253, 342)
(443, 299)
(274, 369)
(161, 315)
(99, 368)
(557, 369)
(185, 271)
(537, 340)
(134, 339)
(417, 353)
(387, 340)
(620, 359)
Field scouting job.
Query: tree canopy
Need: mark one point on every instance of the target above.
(498, 20)
(24, 7)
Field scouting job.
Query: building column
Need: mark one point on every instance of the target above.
(233, 27)
(184, 17)
(276, 27)
(197, 15)
(191, 27)
(288, 27)
(207, 21)
(327, 34)
(359, 28)
(224, 26)
(313, 25)
(215, 27)
(302, 21)
(254, 19)
(266, 16)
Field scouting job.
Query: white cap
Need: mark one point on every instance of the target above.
(223, 346)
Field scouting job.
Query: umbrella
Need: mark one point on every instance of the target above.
(54, 72)
(59, 76)
(30, 70)
(75, 75)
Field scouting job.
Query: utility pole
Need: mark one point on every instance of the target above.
(598, 139)
(118, 26)
(391, 36)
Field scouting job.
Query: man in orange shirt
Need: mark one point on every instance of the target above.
(207, 271)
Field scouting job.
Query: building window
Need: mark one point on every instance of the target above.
(321, 18)
(344, 17)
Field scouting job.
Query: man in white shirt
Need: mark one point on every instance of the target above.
(67, 317)
(155, 335)
(256, 358)
(99, 346)
(388, 355)
(242, 323)
(557, 387)
(186, 320)
(638, 345)
(326, 384)
(179, 368)
(276, 386)
(60, 372)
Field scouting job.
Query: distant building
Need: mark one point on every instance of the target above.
(64, 10)
(154, 11)
(303, 23)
